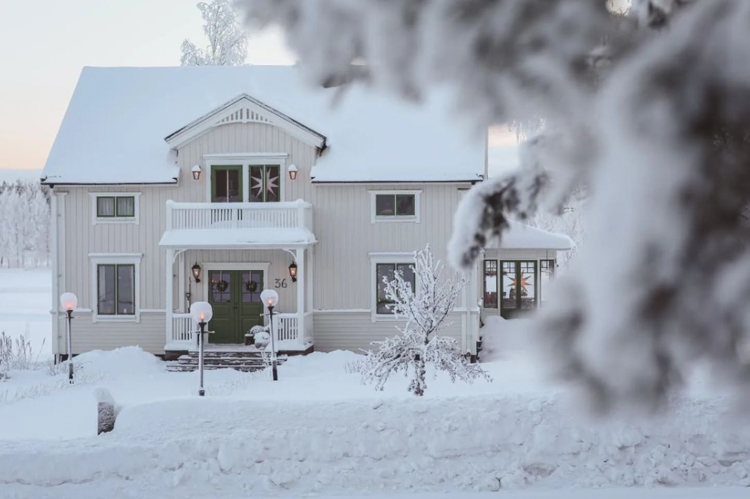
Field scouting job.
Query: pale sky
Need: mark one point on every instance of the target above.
(46, 43)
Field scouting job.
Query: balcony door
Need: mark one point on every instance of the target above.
(226, 184)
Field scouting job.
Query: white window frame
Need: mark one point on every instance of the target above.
(97, 259)
(135, 219)
(374, 218)
(246, 160)
(380, 258)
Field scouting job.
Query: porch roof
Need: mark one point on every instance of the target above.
(237, 238)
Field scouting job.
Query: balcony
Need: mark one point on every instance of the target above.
(238, 225)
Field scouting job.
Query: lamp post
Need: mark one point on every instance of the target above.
(271, 298)
(202, 312)
(69, 301)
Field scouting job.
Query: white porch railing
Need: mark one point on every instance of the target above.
(286, 327)
(182, 328)
(295, 214)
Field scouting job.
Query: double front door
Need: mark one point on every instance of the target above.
(235, 298)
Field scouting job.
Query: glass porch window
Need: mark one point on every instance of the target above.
(265, 183)
(490, 284)
(387, 271)
(509, 297)
(116, 289)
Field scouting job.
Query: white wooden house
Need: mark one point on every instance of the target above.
(173, 185)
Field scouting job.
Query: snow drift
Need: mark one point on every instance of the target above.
(447, 444)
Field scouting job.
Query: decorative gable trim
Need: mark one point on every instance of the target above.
(246, 109)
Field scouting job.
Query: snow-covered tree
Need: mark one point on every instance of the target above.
(24, 224)
(649, 112)
(418, 343)
(227, 40)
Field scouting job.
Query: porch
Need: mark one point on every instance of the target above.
(239, 249)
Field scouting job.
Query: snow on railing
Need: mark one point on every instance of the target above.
(182, 327)
(295, 214)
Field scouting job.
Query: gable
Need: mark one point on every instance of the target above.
(245, 109)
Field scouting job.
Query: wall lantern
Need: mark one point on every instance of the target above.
(292, 172)
(196, 172)
(293, 271)
(196, 272)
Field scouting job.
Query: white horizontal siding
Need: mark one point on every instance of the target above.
(87, 335)
(355, 331)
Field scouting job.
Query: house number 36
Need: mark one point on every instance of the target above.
(280, 283)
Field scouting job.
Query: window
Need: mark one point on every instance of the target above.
(115, 208)
(116, 289)
(265, 183)
(490, 284)
(395, 206)
(387, 271)
(518, 287)
(114, 281)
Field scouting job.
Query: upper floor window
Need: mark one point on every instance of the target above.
(395, 206)
(115, 207)
(265, 183)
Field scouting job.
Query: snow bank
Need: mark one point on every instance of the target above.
(119, 362)
(204, 446)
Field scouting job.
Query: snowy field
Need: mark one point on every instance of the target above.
(24, 306)
(318, 432)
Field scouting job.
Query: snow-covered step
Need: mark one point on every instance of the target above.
(175, 367)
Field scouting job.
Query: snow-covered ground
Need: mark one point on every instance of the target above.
(24, 306)
(319, 432)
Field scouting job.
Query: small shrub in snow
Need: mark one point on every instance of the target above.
(15, 354)
(418, 343)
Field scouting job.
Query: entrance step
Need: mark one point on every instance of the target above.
(245, 361)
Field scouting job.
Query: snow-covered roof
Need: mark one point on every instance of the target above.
(115, 128)
(233, 238)
(522, 236)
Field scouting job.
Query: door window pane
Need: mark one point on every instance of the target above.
(265, 183)
(490, 283)
(221, 286)
(227, 185)
(105, 207)
(126, 206)
(106, 291)
(273, 184)
(252, 285)
(509, 288)
(527, 285)
(405, 205)
(125, 289)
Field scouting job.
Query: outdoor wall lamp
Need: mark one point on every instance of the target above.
(196, 172)
(293, 271)
(196, 272)
(292, 172)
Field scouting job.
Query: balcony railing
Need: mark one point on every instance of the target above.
(287, 215)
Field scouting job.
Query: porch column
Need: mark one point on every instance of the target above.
(170, 293)
(301, 278)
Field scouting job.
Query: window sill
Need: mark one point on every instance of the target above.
(115, 220)
(116, 318)
(395, 219)
(386, 318)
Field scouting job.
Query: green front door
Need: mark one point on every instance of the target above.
(235, 298)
